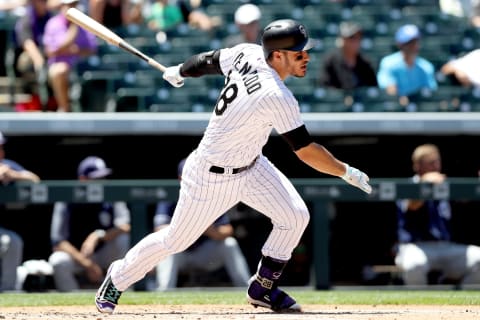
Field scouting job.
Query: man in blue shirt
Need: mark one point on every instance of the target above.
(403, 73)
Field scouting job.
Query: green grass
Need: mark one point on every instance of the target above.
(206, 296)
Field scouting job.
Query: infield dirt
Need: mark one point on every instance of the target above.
(241, 312)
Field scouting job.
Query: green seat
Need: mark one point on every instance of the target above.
(329, 107)
(132, 99)
(374, 99)
(97, 86)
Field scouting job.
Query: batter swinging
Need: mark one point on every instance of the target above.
(228, 165)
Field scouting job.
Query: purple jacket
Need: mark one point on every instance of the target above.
(55, 32)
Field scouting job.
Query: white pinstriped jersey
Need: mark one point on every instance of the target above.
(253, 101)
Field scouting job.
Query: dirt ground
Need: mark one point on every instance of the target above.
(241, 312)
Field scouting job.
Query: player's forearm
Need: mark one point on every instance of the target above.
(22, 176)
(319, 158)
(115, 232)
(67, 247)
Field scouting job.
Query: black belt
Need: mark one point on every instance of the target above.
(221, 170)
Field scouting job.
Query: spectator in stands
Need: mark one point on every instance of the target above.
(164, 15)
(87, 237)
(346, 67)
(115, 14)
(14, 9)
(11, 244)
(216, 248)
(466, 9)
(30, 64)
(196, 17)
(464, 69)
(65, 44)
(247, 19)
(425, 240)
(404, 72)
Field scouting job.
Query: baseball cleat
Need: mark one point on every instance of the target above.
(274, 299)
(106, 298)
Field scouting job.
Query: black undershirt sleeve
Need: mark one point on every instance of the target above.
(202, 64)
(298, 138)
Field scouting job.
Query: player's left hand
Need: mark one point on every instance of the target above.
(172, 75)
(357, 178)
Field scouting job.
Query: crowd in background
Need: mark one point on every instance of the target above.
(46, 52)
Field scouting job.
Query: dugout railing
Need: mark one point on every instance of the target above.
(321, 193)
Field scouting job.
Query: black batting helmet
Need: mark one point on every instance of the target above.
(285, 34)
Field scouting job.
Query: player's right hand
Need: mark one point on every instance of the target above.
(357, 178)
(172, 75)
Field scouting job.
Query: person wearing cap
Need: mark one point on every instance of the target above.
(65, 44)
(346, 67)
(215, 249)
(247, 20)
(404, 72)
(87, 237)
(11, 243)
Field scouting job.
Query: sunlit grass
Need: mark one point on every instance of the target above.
(207, 296)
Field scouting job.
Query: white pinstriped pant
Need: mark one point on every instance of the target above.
(204, 196)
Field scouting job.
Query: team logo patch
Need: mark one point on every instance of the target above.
(302, 30)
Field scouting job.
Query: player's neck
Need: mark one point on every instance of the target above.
(278, 70)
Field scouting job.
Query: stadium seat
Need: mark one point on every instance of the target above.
(132, 99)
(323, 98)
(374, 99)
(97, 86)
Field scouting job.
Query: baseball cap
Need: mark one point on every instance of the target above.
(349, 29)
(93, 168)
(2, 138)
(407, 33)
(247, 13)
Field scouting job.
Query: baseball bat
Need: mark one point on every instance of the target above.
(79, 18)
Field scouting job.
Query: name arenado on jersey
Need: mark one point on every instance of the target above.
(250, 78)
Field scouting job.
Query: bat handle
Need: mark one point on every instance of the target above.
(125, 45)
(156, 64)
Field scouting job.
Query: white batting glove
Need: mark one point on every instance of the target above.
(357, 178)
(172, 75)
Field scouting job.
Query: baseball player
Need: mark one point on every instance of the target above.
(11, 243)
(87, 237)
(228, 166)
